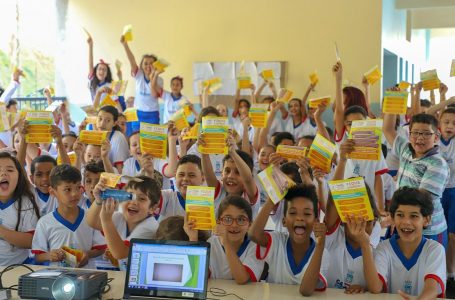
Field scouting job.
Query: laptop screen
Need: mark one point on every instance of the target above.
(167, 269)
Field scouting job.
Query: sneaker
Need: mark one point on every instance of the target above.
(450, 288)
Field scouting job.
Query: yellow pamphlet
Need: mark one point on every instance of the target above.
(321, 153)
(373, 75)
(160, 64)
(367, 136)
(192, 133)
(351, 198)
(291, 152)
(275, 183)
(118, 87)
(395, 102)
(244, 82)
(92, 137)
(128, 33)
(404, 85)
(111, 179)
(430, 80)
(258, 115)
(314, 78)
(200, 206)
(72, 155)
(107, 101)
(180, 120)
(91, 119)
(153, 140)
(215, 131)
(285, 95)
(267, 74)
(131, 114)
(40, 123)
(314, 103)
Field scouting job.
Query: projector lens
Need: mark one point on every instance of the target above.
(67, 288)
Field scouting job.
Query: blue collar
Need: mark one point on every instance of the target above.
(296, 269)
(432, 151)
(296, 126)
(43, 196)
(88, 203)
(407, 263)
(176, 98)
(71, 226)
(181, 200)
(136, 163)
(312, 123)
(8, 203)
(353, 252)
(101, 83)
(146, 79)
(445, 142)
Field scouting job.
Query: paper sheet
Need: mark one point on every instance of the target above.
(249, 69)
(201, 71)
(291, 152)
(321, 153)
(430, 80)
(215, 130)
(39, 127)
(153, 140)
(373, 75)
(367, 136)
(395, 102)
(258, 115)
(93, 137)
(275, 183)
(314, 103)
(200, 206)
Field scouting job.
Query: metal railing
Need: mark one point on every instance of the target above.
(35, 103)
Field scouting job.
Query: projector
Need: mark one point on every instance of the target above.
(62, 284)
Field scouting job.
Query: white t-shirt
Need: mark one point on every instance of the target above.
(144, 101)
(46, 202)
(132, 168)
(408, 275)
(144, 230)
(172, 203)
(171, 106)
(299, 131)
(346, 263)
(219, 268)
(119, 147)
(53, 232)
(100, 85)
(447, 151)
(238, 126)
(282, 267)
(10, 254)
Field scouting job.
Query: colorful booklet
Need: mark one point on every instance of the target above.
(111, 179)
(71, 155)
(275, 183)
(314, 103)
(285, 95)
(128, 33)
(267, 74)
(430, 80)
(351, 198)
(118, 87)
(258, 115)
(373, 75)
(367, 136)
(200, 206)
(244, 82)
(215, 130)
(40, 127)
(395, 102)
(214, 84)
(314, 78)
(403, 85)
(153, 140)
(321, 153)
(131, 114)
(291, 152)
(91, 119)
(192, 133)
(108, 101)
(93, 137)
(160, 64)
(180, 120)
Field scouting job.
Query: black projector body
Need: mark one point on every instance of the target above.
(40, 284)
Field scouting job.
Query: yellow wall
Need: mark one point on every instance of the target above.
(301, 32)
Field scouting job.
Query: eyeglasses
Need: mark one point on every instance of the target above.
(425, 134)
(228, 220)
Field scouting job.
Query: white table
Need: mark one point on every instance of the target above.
(252, 291)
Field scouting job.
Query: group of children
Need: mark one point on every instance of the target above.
(48, 211)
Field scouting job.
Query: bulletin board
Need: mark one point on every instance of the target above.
(229, 71)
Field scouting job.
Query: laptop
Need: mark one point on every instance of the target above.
(159, 269)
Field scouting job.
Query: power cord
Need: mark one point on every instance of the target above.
(218, 292)
(9, 268)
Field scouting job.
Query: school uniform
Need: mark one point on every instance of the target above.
(447, 150)
(282, 267)
(144, 230)
(46, 202)
(171, 203)
(238, 127)
(219, 268)
(305, 127)
(346, 263)
(171, 105)
(99, 86)
(408, 275)
(146, 104)
(10, 254)
(119, 148)
(53, 231)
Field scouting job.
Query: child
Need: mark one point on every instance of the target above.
(18, 211)
(40, 170)
(145, 162)
(222, 109)
(409, 263)
(447, 148)
(240, 112)
(66, 226)
(68, 140)
(174, 100)
(189, 173)
(345, 255)
(421, 166)
(237, 178)
(100, 75)
(106, 121)
(145, 101)
(294, 257)
(92, 174)
(232, 244)
(134, 220)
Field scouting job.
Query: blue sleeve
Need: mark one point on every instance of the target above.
(121, 100)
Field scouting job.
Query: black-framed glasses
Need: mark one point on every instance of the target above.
(229, 220)
(424, 134)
